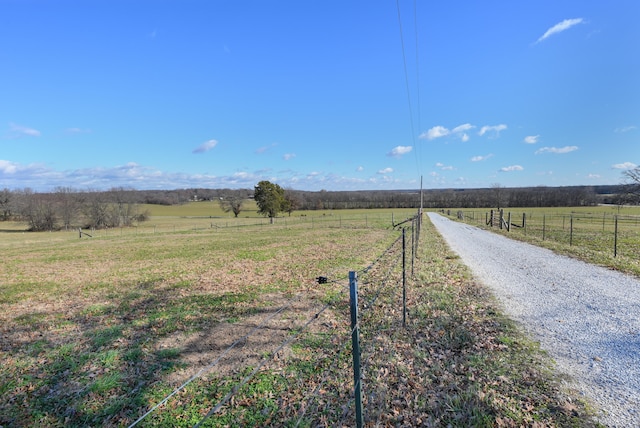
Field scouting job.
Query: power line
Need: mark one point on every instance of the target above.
(406, 78)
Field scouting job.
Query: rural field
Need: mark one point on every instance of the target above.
(199, 318)
(603, 235)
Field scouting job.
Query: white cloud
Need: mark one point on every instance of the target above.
(459, 131)
(288, 156)
(7, 167)
(557, 150)
(560, 27)
(444, 167)
(462, 128)
(511, 168)
(205, 147)
(531, 139)
(494, 129)
(594, 176)
(398, 151)
(22, 131)
(385, 171)
(360, 169)
(625, 129)
(624, 165)
(435, 132)
(481, 158)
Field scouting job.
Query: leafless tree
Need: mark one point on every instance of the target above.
(68, 203)
(632, 185)
(231, 202)
(5, 204)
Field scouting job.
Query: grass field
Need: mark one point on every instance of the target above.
(604, 235)
(96, 331)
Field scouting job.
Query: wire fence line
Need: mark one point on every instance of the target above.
(378, 291)
(610, 233)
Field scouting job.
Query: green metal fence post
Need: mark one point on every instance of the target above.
(355, 342)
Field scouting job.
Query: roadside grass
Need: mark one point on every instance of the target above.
(97, 331)
(586, 233)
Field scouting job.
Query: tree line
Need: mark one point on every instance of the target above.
(66, 208)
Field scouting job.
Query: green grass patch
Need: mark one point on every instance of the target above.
(96, 331)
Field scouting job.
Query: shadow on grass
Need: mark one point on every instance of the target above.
(108, 363)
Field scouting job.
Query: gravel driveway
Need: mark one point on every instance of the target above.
(584, 316)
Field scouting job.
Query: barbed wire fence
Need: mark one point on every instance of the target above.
(330, 400)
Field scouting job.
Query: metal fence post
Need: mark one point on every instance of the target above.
(355, 343)
(615, 239)
(404, 280)
(571, 230)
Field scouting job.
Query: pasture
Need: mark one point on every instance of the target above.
(97, 331)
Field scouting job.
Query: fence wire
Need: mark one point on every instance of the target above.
(388, 259)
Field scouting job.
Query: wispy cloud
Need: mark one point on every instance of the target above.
(440, 131)
(76, 131)
(557, 150)
(360, 169)
(531, 139)
(444, 167)
(494, 130)
(288, 156)
(398, 151)
(205, 147)
(385, 171)
(594, 176)
(511, 168)
(625, 129)
(560, 27)
(265, 149)
(17, 131)
(462, 130)
(624, 165)
(481, 158)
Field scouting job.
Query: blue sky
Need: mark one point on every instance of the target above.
(335, 95)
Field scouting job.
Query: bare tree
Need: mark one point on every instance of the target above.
(38, 210)
(96, 210)
(231, 202)
(123, 210)
(291, 201)
(497, 194)
(632, 185)
(5, 204)
(68, 205)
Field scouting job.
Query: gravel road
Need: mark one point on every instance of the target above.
(584, 316)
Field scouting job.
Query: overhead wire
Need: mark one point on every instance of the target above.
(406, 78)
(418, 101)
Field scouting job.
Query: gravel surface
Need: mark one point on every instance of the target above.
(584, 316)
